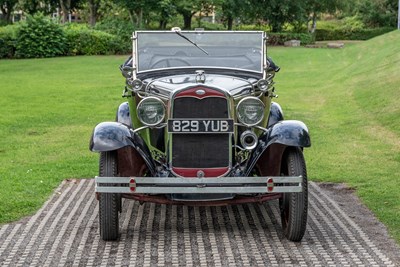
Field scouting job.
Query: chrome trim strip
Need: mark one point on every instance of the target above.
(201, 67)
(200, 190)
(195, 180)
(134, 57)
(168, 31)
(255, 126)
(236, 185)
(158, 126)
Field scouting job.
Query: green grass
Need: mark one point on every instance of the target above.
(348, 98)
(48, 110)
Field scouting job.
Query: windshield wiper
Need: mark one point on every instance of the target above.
(178, 32)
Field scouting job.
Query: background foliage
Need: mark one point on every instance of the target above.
(39, 36)
(347, 97)
(110, 23)
(82, 40)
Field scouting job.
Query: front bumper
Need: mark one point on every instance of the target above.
(215, 185)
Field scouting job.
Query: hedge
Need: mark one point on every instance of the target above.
(345, 34)
(85, 41)
(281, 38)
(8, 40)
(39, 36)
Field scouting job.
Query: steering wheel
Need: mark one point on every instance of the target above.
(168, 62)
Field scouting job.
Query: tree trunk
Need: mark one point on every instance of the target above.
(93, 7)
(131, 13)
(187, 21)
(163, 24)
(230, 23)
(314, 23)
(7, 10)
(139, 18)
(64, 10)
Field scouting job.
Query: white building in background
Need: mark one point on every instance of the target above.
(16, 16)
(72, 17)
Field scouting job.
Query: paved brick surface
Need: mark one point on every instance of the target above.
(65, 233)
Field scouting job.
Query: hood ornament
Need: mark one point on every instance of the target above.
(200, 76)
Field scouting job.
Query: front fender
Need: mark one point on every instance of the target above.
(124, 115)
(272, 144)
(108, 136)
(289, 133)
(275, 114)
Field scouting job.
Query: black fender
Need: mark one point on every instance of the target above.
(108, 136)
(275, 114)
(124, 115)
(272, 144)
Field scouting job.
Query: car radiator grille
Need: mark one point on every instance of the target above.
(200, 150)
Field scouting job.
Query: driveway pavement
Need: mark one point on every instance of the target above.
(65, 233)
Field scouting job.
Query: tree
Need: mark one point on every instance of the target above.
(316, 7)
(185, 8)
(279, 12)
(166, 10)
(137, 9)
(234, 9)
(7, 8)
(35, 6)
(67, 6)
(378, 13)
(94, 6)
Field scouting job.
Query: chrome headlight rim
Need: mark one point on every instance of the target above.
(241, 103)
(141, 103)
(262, 85)
(134, 85)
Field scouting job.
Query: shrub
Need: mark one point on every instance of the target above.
(121, 28)
(82, 40)
(8, 40)
(208, 26)
(252, 27)
(40, 37)
(344, 33)
(281, 38)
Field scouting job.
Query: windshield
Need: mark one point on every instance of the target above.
(202, 49)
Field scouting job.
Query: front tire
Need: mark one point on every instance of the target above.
(294, 206)
(109, 203)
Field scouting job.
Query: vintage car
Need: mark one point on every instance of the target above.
(199, 128)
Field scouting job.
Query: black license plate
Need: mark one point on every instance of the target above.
(200, 126)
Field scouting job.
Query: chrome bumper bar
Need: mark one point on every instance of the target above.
(180, 185)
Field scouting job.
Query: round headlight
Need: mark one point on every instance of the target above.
(151, 111)
(263, 85)
(250, 111)
(135, 85)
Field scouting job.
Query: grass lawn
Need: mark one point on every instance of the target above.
(348, 98)
(48, 109)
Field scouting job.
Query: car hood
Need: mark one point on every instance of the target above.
(165, 86)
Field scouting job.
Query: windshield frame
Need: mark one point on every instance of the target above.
(135, 53)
